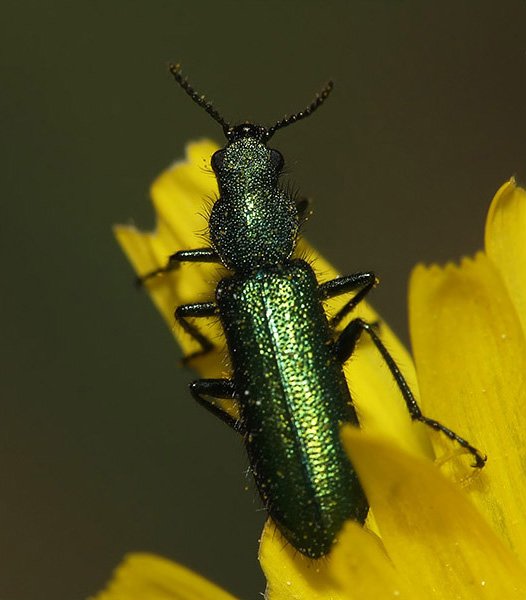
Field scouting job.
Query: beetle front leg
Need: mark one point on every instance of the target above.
(196, 255)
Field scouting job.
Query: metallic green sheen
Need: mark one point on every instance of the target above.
(254, 222)
(293, 399)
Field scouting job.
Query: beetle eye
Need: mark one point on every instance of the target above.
(277, 160)
(217, 160)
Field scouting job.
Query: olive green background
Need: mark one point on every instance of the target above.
(102, 451)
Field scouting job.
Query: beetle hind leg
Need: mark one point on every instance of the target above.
(344, 347)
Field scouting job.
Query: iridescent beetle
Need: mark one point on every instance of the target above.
(287, 357)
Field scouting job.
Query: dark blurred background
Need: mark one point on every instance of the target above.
(102, 451)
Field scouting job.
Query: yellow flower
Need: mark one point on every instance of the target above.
(439, 530)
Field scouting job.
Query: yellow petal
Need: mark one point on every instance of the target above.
(506, 242)
(290, 575)
(361, 566)
(180, 195)
(470, 354)
(434, 536)
(150, 577)
(184, 187)
(357, 569)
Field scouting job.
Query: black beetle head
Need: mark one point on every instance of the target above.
(246, 130)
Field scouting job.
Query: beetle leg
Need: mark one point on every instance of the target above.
(363, 282)
(222, 389)
(345, 346)
(201, 309)
(195, 255)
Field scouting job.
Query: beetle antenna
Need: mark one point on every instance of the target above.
(199, 99)
(316, 103)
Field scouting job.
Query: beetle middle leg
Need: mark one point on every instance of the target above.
(200, 309)
(344, 347)
(222, 389)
